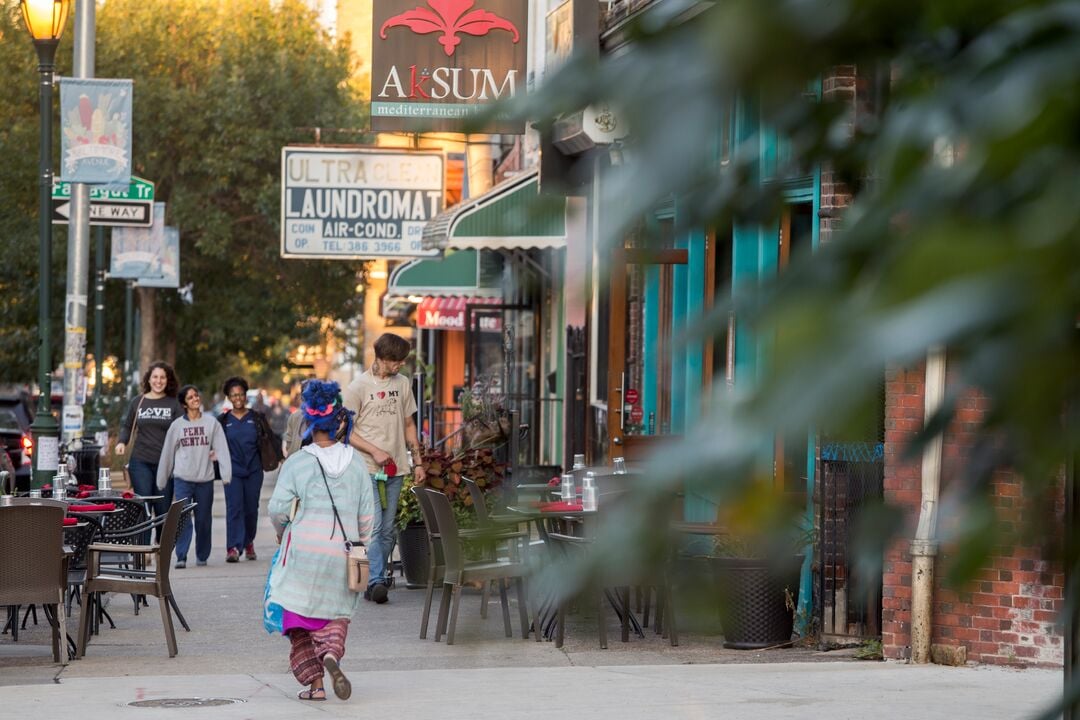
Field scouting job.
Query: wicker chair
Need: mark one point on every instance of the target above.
(130, 513)
(79, 537)
(33, 567)
(132, 581)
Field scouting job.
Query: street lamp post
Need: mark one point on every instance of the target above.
(45, 20)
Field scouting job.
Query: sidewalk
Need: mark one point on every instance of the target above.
(229, 655)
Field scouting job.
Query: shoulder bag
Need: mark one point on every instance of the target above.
(355, 554)
(269, 450)
(130, 448)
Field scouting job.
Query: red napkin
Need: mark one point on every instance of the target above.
(555, 481)
(71, 521)
(559, 506)
(127, 494)
(83, 494)
(103, 507)
(46, 486)
(88, 488)
(390, 468)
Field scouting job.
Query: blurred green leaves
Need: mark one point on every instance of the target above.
(959, 140)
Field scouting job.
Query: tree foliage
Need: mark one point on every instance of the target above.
(220, 88)
(964, 231)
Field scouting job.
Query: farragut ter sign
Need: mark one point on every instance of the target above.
(438, 62)
(357, 203)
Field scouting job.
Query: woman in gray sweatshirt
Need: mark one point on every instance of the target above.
(186, 456)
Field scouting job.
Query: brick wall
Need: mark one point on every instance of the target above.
(1007, 614)
(839, 86)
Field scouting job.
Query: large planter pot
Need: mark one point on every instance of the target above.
(758, 599)
(413, 548)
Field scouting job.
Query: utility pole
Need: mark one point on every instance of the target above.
(130, 366)
(96, 425)
(78, 270)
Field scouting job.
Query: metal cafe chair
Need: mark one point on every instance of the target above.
(458, 572)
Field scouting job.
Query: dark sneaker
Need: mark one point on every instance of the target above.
(249, 552)
(232, 556)
(181, 564)
(377, 593)
(200, 563)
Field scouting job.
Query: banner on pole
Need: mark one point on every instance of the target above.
(95, 131)
(170, 262)
(138, 253)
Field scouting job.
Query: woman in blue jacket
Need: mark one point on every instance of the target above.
(243, 429)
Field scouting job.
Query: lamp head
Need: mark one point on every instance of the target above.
(45, 19)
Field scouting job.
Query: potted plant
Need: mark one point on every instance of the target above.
(412, 537)
(754, 566)
(445, 472)
(757, 573)
(758, 586)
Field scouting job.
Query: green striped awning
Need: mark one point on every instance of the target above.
(458, 272)
(511, 215)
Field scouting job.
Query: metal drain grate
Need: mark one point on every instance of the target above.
(185, 702)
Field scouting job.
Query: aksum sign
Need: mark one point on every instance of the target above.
(354, 203)
(435, 64)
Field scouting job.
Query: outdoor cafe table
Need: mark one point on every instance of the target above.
(546, 610)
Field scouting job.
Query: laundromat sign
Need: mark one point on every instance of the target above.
(436, 64)
(357, 204)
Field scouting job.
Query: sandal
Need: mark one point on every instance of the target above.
(316, 695)
(342, 686)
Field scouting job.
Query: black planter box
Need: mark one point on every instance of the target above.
(757, 600)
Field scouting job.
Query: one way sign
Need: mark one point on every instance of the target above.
(132, 206)
(108, 212)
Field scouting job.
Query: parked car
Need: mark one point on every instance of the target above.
(15, 419)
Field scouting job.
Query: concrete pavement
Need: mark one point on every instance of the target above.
(484, 675)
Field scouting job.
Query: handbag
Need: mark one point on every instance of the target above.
(131, 442)
(270, 455)
(356, 559)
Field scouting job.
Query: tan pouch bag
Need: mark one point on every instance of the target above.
(359, 570)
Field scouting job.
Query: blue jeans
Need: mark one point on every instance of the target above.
(202, 493)
(242, 510)
(144, 482)
(382, 533)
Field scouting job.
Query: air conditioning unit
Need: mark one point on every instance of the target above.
(586, 129)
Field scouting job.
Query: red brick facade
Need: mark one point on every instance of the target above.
(1008, 613)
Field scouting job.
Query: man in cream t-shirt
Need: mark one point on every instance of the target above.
(384, 432)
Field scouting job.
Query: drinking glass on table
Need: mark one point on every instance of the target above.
(568, 491)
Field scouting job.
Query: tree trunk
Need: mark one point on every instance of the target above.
(148, 350)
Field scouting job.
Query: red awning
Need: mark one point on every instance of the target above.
(448, 313)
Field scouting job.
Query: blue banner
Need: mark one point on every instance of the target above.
(95, 131)
(170, 261)
(139, 253)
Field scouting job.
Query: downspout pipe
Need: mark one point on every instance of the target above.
(924, 547)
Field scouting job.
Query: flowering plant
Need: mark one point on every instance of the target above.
(446, 472)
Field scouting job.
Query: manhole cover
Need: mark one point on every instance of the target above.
(184, 702)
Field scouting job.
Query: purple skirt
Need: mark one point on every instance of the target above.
(292, 621)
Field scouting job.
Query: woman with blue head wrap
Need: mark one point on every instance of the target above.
(329, 483)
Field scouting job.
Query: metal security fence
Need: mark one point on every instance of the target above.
(852, 477)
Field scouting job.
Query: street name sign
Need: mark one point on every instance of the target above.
(132, 207)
